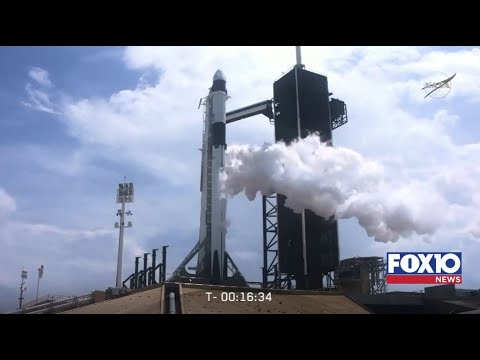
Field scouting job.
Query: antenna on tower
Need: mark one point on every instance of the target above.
(299, 57)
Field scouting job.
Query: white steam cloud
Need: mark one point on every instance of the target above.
(335, 181)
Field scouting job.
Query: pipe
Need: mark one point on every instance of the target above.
(43, 306)
(299, 55)
(154, 265)
(172, 303)
(277, 280)
(136, 271)
(164, 262)
(60, 306)
(145, 267)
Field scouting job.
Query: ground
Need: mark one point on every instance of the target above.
(195, 301)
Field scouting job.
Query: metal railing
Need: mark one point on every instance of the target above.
(57, 305)
(46, 298)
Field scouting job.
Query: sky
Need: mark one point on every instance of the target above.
(75, 120)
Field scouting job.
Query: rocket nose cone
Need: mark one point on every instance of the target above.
(219, 75)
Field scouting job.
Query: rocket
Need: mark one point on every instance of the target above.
(211, 254)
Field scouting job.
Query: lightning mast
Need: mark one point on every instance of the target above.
(124, 195)
(22, 288)
(40, 275)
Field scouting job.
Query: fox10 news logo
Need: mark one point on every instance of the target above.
(424, 268)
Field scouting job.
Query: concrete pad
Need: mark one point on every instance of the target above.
(195, 301)
(145, 302)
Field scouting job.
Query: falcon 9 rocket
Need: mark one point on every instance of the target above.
(212, 254)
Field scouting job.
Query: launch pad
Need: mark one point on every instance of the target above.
(300, 250)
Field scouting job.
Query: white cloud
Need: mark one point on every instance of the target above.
(41, 76)
(39, 100)
(475, 228)
(7, 202)
(26, 234)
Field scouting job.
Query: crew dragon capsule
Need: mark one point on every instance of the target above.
(212, 253)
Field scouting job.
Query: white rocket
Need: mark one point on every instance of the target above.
(211, 255)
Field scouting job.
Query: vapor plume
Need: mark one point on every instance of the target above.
(335, 181)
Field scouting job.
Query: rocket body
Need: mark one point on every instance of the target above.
(211, 259)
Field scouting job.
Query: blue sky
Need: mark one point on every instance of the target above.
(75, 120)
